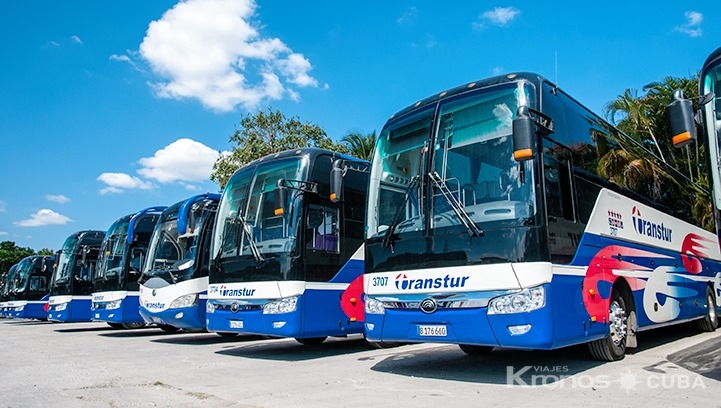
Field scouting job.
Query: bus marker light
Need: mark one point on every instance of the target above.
(278, 325)
(179, 315)
(519, 329)
(593, 318)
(591, 292)
(353, 319)
(353, 301)
(278, 211)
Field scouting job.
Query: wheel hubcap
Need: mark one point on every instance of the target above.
(618, 323)
(711, 309)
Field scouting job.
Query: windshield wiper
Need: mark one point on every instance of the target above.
(456, 206)
(251, 243)
(388, 237)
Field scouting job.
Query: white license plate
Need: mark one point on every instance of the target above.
(236, 324)
(438, 330)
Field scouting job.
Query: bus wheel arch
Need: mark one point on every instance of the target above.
(621, 323)
(710, 321)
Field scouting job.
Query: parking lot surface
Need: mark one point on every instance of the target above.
(46, 364)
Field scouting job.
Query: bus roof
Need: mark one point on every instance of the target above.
(481, 83)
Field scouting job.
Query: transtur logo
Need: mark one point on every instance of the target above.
(403, 283)
(648, 228)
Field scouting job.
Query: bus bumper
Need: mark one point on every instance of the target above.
(530, 330)
(188, 318)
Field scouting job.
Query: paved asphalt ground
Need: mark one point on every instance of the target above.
(91, 365)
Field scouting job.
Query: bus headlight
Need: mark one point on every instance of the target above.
(60, 307)
(20, 308)
(285, 305)
(113, 304)
(185, 301)
(519, 302)
(374, 306)
(209, 307)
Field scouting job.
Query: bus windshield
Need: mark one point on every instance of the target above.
(63, 269)
(110, 262)
(473, 179)
(173, 253)
(247, 229)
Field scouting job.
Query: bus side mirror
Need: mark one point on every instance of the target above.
(681, 120)
(336, 181)
(524, 135)
(280, 198)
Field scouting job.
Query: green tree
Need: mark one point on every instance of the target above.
(268, 132)
(10, 254)
(46, 251)
(644, 118)
(359, 145)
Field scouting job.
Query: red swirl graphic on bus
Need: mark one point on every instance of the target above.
(600, 277)
(692, 248)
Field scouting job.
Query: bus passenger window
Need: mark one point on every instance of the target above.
(322, 229)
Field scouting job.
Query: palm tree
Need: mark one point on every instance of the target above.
(359, 145)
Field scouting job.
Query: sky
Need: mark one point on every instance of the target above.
(109, 107)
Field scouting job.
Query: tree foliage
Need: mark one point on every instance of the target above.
(359, 145)
(10, 254)
(644, 118)
(267, 132)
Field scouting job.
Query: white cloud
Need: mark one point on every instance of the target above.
(126, 59)
(44, 217)
(60, 199)
(692, 27)
(183, 160)
(211, 50)
(110, 190)
(76, 39)
(117, 182)
(499, 16)
(408, 15)
(51, 44)
(3, 233)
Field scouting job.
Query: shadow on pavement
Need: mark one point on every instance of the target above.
(505, 366)
(291, 350)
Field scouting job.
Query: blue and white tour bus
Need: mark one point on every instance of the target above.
(503, 213)
(174, 282)
(283, 252)
(115, 279)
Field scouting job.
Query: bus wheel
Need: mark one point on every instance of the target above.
(227, 334)
(383, 344)
(472, 350)
(133, 325)
(710, 322)
(116, 326)
(310, 341)
(613, 346)
(168, 328)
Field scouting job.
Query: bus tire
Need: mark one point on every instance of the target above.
(168, 328)
(473, 350)
(613, 346)
(228, 335)
(116, 326)
(134, 325)
(710, 322)
(383, 344)
(310, 341)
